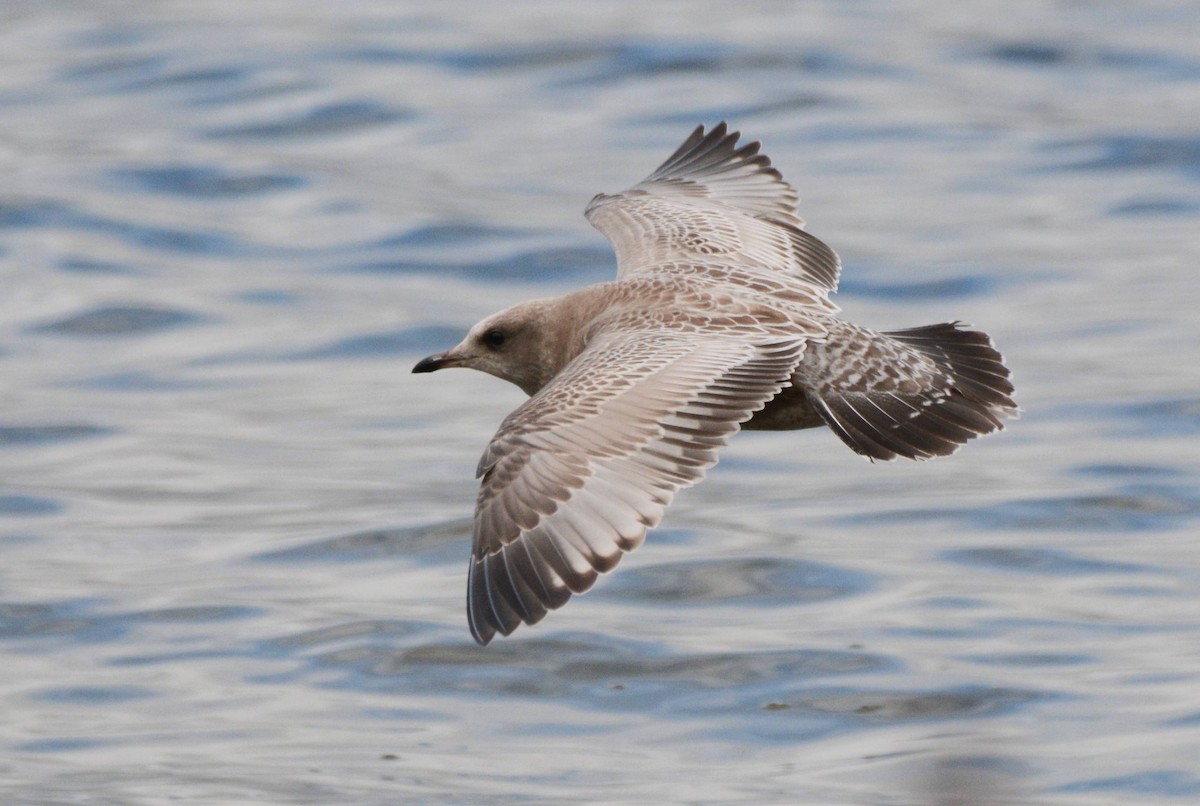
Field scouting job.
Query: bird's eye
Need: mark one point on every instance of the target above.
(494, 338)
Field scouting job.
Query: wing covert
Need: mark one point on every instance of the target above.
(576, 475)
(712, 201)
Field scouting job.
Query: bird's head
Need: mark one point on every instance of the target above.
(508, 344)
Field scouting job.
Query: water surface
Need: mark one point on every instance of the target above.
(235, 527)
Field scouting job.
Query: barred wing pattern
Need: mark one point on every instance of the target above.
(712, 203)
(719, 319)
(576, 475)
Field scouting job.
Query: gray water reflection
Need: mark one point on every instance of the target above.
(235, 528)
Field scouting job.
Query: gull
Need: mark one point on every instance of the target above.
(719, 320)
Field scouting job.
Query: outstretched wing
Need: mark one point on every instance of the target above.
(714, 203)
(578, 473)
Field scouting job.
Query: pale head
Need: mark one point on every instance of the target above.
(512, 344)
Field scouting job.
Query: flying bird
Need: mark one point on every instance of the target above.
(719, 319)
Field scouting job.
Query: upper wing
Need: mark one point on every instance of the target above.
(578, 473)
(711, 200)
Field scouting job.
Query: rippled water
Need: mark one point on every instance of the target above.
(235, 528)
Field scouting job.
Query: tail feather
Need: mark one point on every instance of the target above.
(963, 392)
(969, 356)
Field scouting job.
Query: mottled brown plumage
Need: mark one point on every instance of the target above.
(719, 319)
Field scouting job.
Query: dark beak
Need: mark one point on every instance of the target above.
(431, 364)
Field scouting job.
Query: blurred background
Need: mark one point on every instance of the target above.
(234, 529)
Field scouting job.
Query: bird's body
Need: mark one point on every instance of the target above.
(719, 319)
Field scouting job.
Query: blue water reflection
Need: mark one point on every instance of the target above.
(235, 527)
